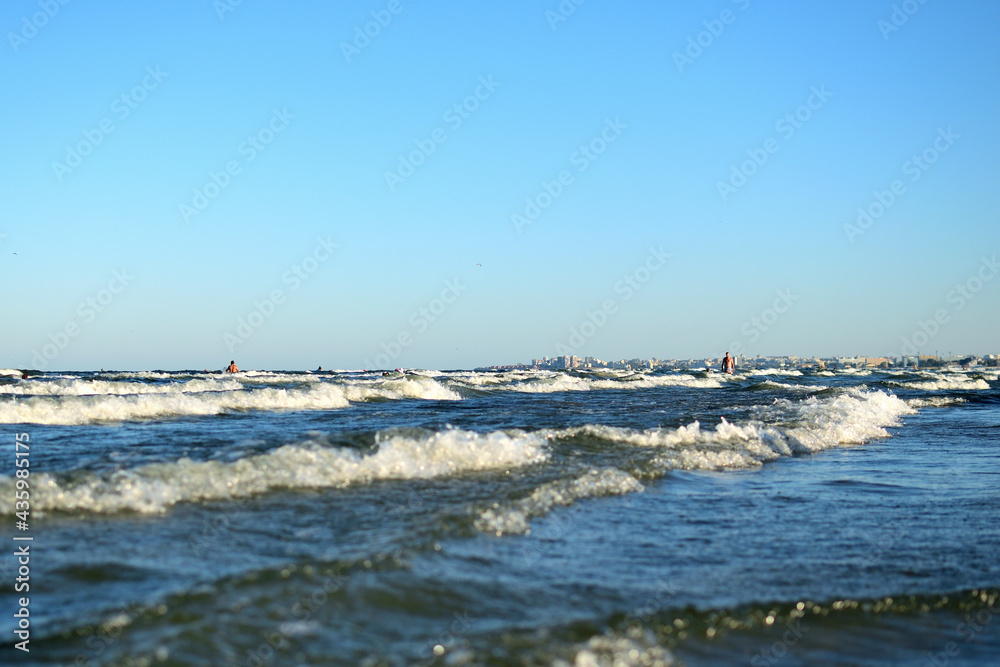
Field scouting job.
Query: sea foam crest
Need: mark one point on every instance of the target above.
(934, 401)
(112, 408)
(774, 371)
(853, 417)
(75, 401)
(411, 386)
(947, 382)
(559, 382)
(803, 426)
(78, 387)
(774, 384)
(513, 518)
(691, 447)
(307, 465)
(785, 428)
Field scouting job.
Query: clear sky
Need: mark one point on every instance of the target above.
(476, 183)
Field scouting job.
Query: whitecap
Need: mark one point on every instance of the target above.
(307, 465)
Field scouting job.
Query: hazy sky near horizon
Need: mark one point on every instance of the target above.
(444, 185)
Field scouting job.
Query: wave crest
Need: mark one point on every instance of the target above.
(307, 465)
(75, 401)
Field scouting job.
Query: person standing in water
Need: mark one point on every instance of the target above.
(728, 364)
(232, 368)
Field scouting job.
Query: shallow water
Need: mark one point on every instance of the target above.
(509, 518)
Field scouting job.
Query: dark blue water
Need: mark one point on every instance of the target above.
(530, 518)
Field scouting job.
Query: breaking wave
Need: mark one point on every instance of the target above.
(785, 428)
(500, 519)
(947, 382)
(74, 401)
(307, 465)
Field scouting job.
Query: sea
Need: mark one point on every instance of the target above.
(583, 517)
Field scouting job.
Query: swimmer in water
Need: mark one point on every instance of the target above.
(232, 368)
(728, 365)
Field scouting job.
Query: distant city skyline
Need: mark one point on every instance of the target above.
(771, 361)
(345, 184)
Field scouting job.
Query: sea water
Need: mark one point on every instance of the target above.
(530, 517)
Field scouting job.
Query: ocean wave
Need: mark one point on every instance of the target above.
(68, 410)
(946, 382)
(773, 384)
(418, 386)
(773, 371)
(684, 380)
(934, 401)
(642, 637)
(426, 372)
(785, 428)
(853, 417)
(549, 385)
(561, 382)
(80, 387)
(141, 375)
(513, 518)
(307, 465)
(75, 401)
(476, 379)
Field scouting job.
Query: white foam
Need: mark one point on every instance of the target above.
(80, 387)
(692, 448)
(934, 402)
(774, 371)
(112, 408)
(549, 385)
(310, 464)
(139, 375)
(949, 381)
(683, 380)
(11, 372)
(424, 372)
(475, 379)
(809, 425)
(559, 382)
(793, 387)
(513, 518)
(781, 429)
(786, 427)
(853, 417)
(400, 387)
(75, 401)
(261, 377)
(547, 382)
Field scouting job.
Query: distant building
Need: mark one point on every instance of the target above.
(758, 361)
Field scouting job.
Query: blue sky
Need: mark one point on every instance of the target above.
(642, 138)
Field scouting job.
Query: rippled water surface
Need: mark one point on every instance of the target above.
(541, 518)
